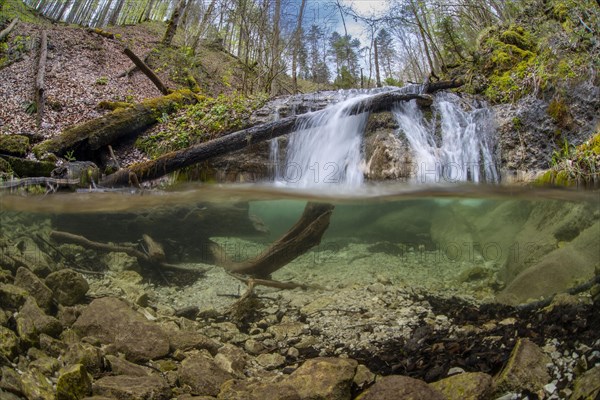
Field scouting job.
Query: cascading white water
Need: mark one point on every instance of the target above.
(327, 148)
(461, 150)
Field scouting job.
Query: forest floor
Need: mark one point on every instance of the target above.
(82, 70)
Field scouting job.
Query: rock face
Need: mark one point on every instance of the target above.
(526, 369)
(466, 386)
(69, 287)
(528, 134)
(400, 387)
(111, 321)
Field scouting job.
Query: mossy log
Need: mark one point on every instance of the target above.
(173, 161)
(103, 33)
(5, 32)
(86, 138)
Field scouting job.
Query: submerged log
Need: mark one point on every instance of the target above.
(173, 161)
(147, 71)
(5, 32)
(39, 81)
(303, 236)
(86, 138)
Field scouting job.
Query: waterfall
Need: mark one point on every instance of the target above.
(455, 145)
(327, 148)
(459, 149)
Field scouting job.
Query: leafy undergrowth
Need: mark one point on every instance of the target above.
(211, 117)
(575, 165)
(546, 49)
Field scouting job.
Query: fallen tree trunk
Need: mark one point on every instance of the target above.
(103, 33)
(134, 67)
(147, 71)
(303, 236)
(86, 138)
(5, 32)
(39, 81)
(238, 140)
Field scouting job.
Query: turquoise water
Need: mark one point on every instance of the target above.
(490, 239)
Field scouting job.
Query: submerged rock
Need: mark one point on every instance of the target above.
(123, 387)
(35, 286)
(9, 343)
(73, 383)
(37, 386)
(32, 321)
(202, 375)
(69, 287)
(112, 321)
(12, 297)
(587, 386)
(324, 378)
(466, 386)
(526, 369)
(400, 387)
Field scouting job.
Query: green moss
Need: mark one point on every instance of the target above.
(73, 383)
(517, 36)
(14, 144)
(560, 113)
(575, 165)
(95, 133)
(24, 168)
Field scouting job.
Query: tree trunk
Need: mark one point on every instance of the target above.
(275, 63)
(86, 138)
(114, 17)
(377, 74)
(173, 22)
(203, 25)
(295, 49)
(39, 81)
(5, 32)
(238, 140)
(147, 71)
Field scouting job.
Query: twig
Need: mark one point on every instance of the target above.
(112, 155)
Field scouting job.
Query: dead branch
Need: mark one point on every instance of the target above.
(5, 32)
(103, 33)
(142, 258)
(134, 67)
(147, 71)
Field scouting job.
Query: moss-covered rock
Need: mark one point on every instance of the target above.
(37, 386)
(32, 321)
(9, 343)
(466, 386)
(15, 145)
(35, 286)
(12, 297)
(525, 369)
(69, 287)
(74, 383)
